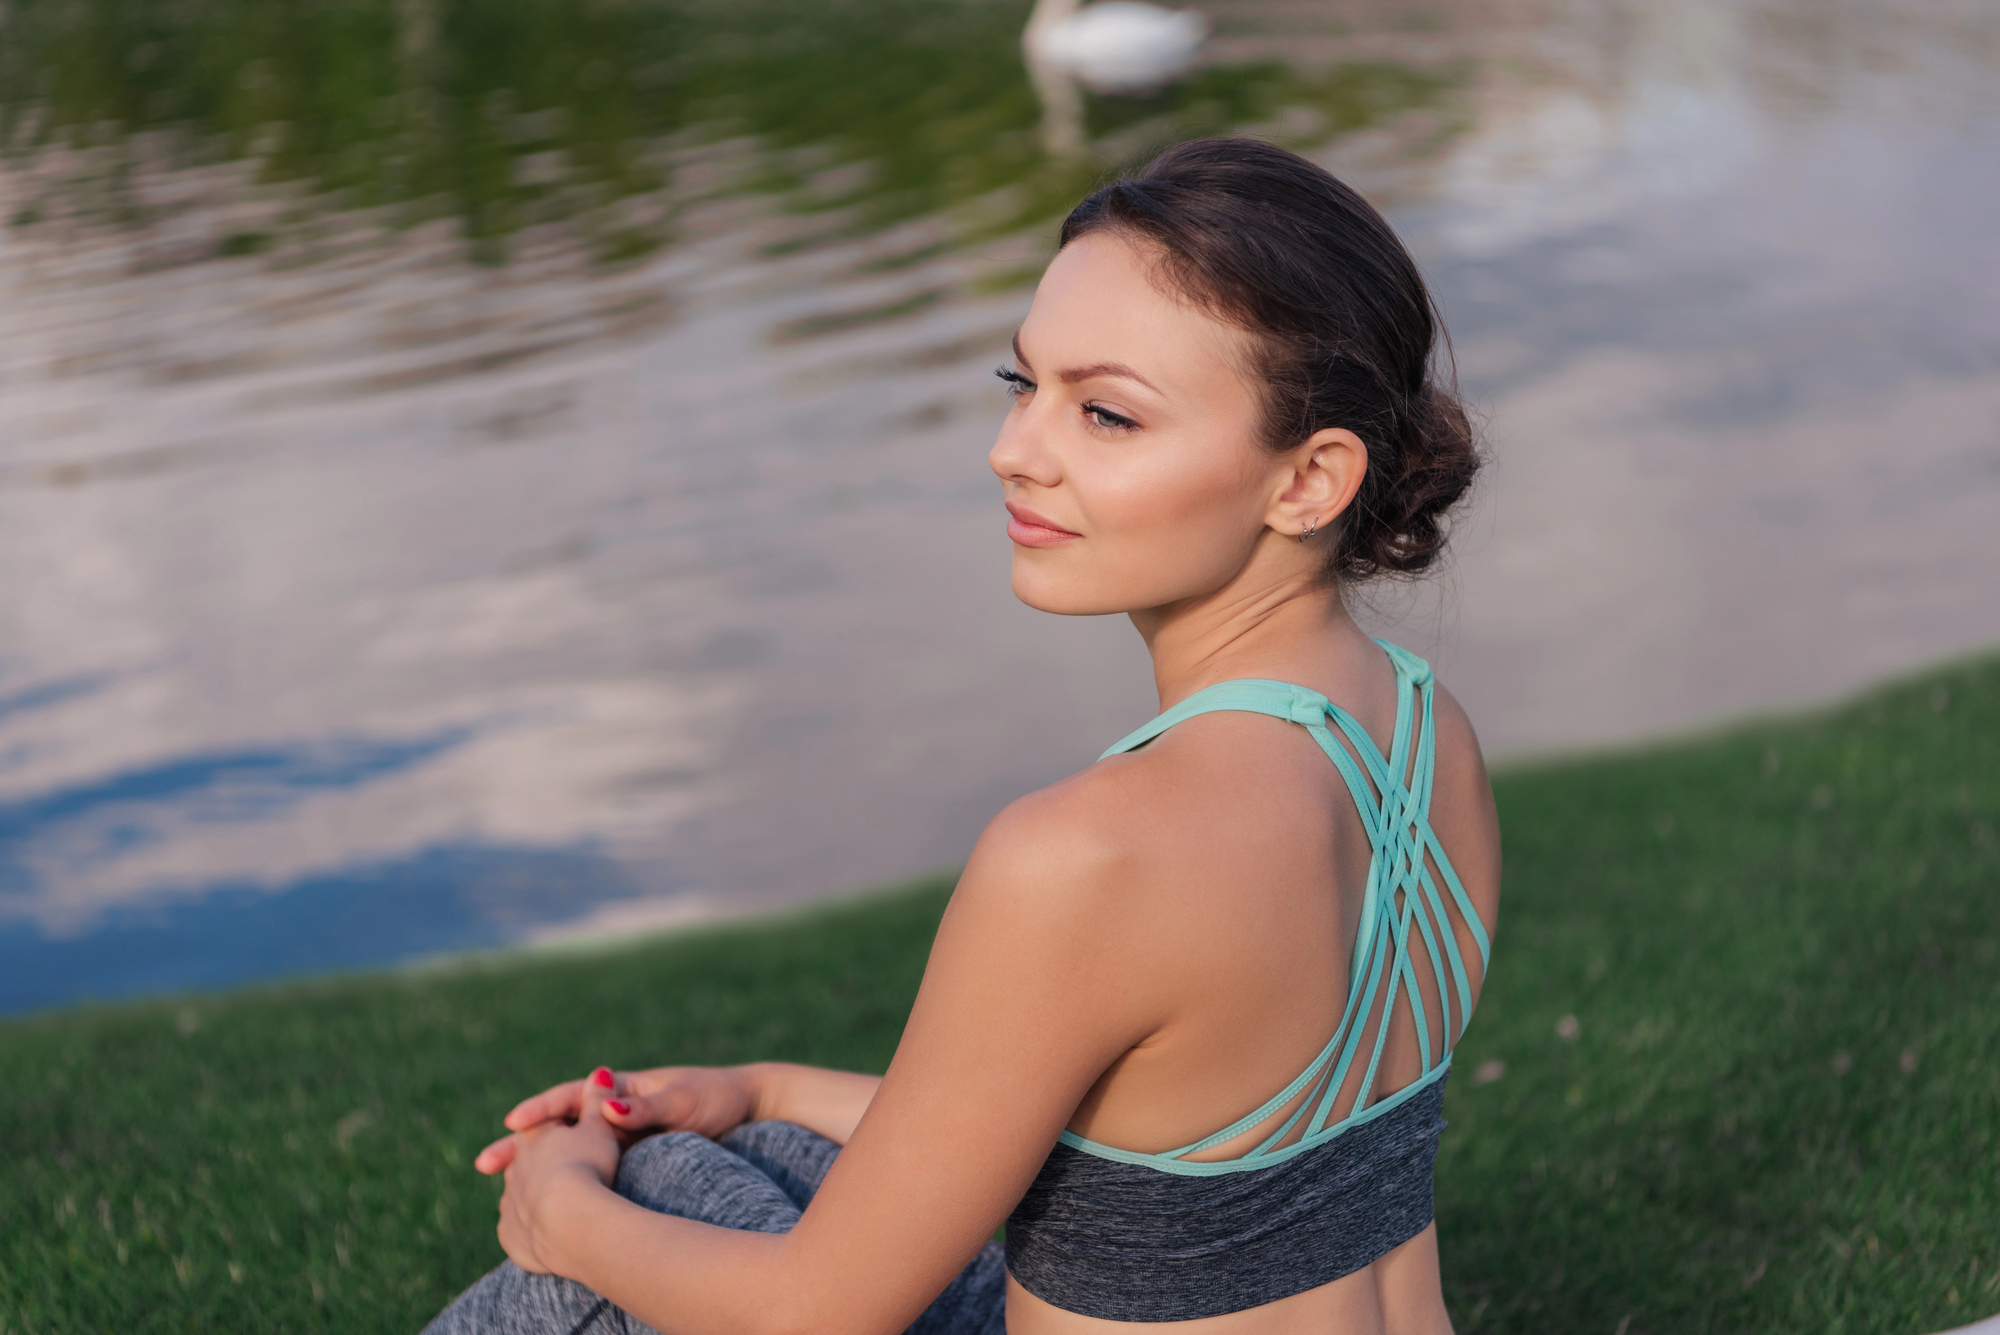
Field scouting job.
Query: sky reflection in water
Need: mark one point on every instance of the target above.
(481, 473)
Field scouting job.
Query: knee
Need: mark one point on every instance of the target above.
(680, 1173)
(653, 1163)
(791, 1156)
(778, 1140)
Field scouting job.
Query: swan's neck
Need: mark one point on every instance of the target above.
(1048, 13)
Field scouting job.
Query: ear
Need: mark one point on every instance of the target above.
(1320, 479)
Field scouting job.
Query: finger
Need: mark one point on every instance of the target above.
(598, 1087)
(672, 1109)
(603, 1101)
(558, 1103)
(561, 1103)
(497, 1157)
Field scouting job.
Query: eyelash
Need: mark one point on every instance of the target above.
(1018, 385)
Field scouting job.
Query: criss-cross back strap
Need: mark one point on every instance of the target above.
(1402, 907)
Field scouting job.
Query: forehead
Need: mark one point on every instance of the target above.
(1104, 297)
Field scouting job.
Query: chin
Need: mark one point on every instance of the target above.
(1066, 595)
(1038, 595)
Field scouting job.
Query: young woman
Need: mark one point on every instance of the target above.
(1186, 1023)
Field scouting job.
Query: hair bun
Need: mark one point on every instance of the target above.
(1401, 528)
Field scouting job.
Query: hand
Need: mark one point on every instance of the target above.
(708, 1100)
(550, 1164)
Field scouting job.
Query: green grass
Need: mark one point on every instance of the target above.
(1782, 1107)
(299, 1158)
(1778, 1112)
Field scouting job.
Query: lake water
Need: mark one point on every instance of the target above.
(477, 473)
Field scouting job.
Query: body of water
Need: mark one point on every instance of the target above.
(473, 474)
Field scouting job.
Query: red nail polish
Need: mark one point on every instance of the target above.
(619, 1106)
(601, 1077)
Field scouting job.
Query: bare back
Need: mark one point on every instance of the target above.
(1255, 862)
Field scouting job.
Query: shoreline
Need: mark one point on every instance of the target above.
(634, 924)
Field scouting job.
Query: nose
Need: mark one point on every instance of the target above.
(1022, 453)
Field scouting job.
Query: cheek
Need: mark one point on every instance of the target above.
(1174, 524)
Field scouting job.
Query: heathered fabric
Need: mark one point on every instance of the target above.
(1127, 1242)
(759, 1177)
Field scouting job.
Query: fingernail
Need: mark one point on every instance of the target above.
(619, 1106)
(601, 1077)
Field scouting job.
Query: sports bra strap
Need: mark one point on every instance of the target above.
(1402, 907)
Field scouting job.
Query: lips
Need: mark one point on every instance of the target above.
(1029, 529)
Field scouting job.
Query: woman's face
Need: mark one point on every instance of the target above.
(1133, 474)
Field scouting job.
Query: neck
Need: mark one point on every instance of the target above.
(1048, 13)
(1290, 628)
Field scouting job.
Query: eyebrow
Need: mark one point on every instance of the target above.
(1096, 370)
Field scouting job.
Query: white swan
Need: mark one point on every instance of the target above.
(1114, 46)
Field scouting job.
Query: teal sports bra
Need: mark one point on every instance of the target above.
(1403, 910)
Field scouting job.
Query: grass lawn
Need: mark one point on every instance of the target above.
(1775, 1105)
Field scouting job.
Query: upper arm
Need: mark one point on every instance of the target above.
(1025, 1002)
(1463, 815)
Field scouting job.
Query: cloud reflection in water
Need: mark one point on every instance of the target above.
(659, 562)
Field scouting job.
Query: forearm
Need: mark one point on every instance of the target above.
(829, 1103)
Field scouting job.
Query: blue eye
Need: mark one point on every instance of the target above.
(1104, 417)
(1017, 384)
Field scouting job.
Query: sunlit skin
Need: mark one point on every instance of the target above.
(1143, 952)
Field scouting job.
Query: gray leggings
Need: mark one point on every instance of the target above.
(760, 1177)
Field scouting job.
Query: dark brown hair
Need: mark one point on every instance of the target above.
(1344, 325)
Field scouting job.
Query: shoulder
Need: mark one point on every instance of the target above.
(1116, 830)
(1462, 808)
(1050, 912)
(1457, 741)
(1075, 840)
(1108, 887)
